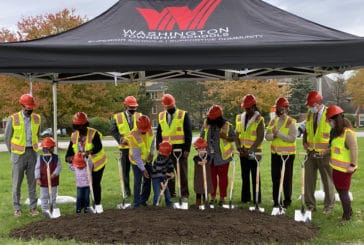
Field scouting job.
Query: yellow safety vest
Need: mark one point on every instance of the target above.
(18, 139)
(318, 141)
(99, 159)
(340, 155)
(278, 145)
(226, 147)
(248, 136)
(173, 133)
(123, 125)
(142, 141)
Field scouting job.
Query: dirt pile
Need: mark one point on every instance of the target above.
(160, 225)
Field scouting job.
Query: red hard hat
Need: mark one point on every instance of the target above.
(165, 148)
(80, 118)
(333, 111)
(131, 101)
(48, 142)
(168, 100)
(214, 112)
(143, 123)
(200, 143)
(313, 97)
(281, 102)
(27, 100)
(78, 160)
(248, 101)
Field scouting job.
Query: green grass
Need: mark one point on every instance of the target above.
(330, 229)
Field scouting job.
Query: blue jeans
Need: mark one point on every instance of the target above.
(157, 190)
(83, 201)
(142, 186)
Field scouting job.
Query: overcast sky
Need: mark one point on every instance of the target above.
(344, 15)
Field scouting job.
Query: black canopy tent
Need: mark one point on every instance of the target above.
(186, 39)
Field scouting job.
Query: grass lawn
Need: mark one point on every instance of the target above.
(330, 229)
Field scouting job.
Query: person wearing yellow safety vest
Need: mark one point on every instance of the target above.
(220, 135)
(121, 125)
(249, 129)
(282, 131)
(174, 126)
(21, 138)
(88, 141)
(141, 142)
(343, 156)
(315, 141)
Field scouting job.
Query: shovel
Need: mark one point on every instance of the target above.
(94, 208)
(177, 153)
(256, 207)
(51, 212)
(203, 157)
(122, 205)
(280, 210)
(230, 205)
(164, 187)
(303, 215)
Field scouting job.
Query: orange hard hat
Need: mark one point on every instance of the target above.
(165, 148)
(248, 101)
(131, 101)
(168, 100)
(333, 111)
(281, 102)
(313, 97)
(78, 160)
(200, 143)
(48, 142)
(80, 118)
(27, 100)
(214, 112)
(143, 123)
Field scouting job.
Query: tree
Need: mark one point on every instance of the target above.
(355, 88)
(297, 100)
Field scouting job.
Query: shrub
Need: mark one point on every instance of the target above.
(101, 124)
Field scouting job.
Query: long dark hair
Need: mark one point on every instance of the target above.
(340, 124)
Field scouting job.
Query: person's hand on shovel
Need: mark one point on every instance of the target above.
(146, 174)
(170, 175)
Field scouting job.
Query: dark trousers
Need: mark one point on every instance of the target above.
(276, 167)
(184, 177)
(126, 170)
(249, 170)
(83, 198)
(96, 184)
(142, 186)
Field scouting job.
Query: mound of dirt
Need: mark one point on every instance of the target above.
(150, 225)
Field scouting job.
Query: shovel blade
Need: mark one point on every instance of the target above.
(228, 206)
(201, 207)
(259, 209)
(305, 216)
(56, 213)
(99, 209)
(183, 205)
(123, 206)
(278, 211)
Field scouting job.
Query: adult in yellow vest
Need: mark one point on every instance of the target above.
(315, 141)
(344, 156)
(249, 129)
(174, 126)
(121, 125)
(141, 142)
(282, 132)
(88, 141)
(220, 135)
(21, 138)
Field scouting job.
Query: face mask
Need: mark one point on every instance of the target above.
(28, 112)
(279, 112)
(332, 124)
(131, 111)
(313, 109)
(171, 110)
(45, 151)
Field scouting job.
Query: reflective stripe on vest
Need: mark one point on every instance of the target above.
(173, 133)
(248, 136)
(278, 145)
(123, 125)
(99, 159)
(226, 147)
(318, 140)
(18, 139)
(141, 141)
(340, 155)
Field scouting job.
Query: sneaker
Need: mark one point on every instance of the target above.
(221, 202)
(212, 202)
(327, 211)
(17, 213)
(34, 212)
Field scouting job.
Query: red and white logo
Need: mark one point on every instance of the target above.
(182, 16)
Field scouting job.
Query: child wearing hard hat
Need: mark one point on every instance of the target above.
(55, 166)
(162, 172)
